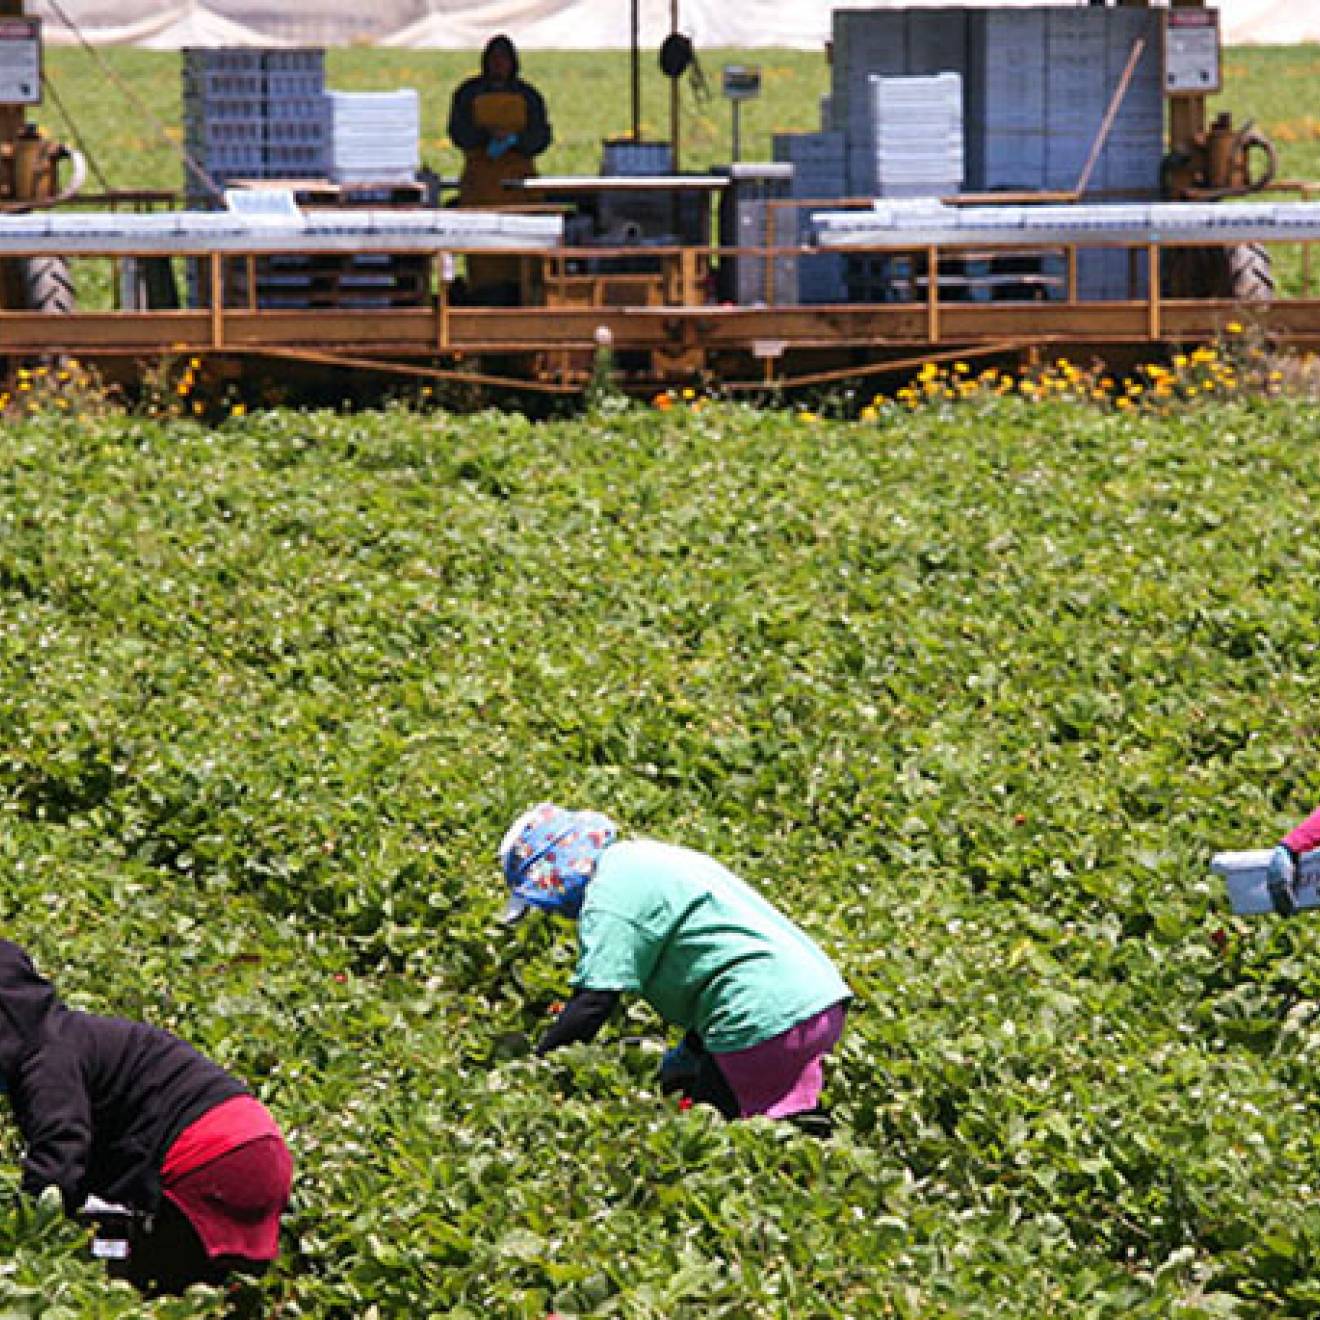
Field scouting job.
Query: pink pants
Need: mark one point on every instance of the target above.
(782, 1075)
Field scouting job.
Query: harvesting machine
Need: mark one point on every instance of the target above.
(984, 183)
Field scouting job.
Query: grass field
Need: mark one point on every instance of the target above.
(972, 692)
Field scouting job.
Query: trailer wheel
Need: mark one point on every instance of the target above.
(1250, 277)
(1242, 273)
(48, 286)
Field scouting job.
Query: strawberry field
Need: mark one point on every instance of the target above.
(971, 690)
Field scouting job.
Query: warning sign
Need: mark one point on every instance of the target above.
(20, 61)
(1191, 51)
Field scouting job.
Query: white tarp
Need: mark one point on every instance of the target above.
(536, 24)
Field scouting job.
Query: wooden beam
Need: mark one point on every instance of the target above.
(412, 332)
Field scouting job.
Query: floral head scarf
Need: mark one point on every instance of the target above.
(548, 857)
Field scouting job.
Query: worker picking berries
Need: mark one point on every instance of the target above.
(129, 1123)
(759, 1003)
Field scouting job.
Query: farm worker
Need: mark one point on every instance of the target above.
(132, 1115)
(499, 123)
(1282, 874)
(760, 1003)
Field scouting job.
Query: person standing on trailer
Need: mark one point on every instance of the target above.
(760, 1003)
(133, 1116)
(499, 122)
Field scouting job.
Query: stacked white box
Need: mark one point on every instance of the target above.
(373, 136)
(918, 135)
(819, 174)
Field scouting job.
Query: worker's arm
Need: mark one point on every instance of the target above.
(580, 1020)
(54, 1114)
(464, 131)
(1304, 837)
(537, 135)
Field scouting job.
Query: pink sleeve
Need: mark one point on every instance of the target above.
(1302, 838)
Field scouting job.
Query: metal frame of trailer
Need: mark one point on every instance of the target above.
(662, 333)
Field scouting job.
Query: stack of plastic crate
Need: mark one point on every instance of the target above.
(253, 114)
(819, 174)
(296, 130)
(224, 116)
(661, 218)
(1005, 92)
(865, 42)
(623, 156)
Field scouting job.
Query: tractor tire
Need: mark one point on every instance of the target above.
(48, 286)
(1241, 273)
(1250, 276)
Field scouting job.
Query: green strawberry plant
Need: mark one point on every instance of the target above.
(973, 694)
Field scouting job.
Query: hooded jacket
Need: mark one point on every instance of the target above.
(99, 1100)
(465, 129)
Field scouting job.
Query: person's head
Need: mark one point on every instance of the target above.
(549, 856)
(26, 998)
(499, 61)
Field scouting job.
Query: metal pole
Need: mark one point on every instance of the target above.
(673, 95)
(636, 71)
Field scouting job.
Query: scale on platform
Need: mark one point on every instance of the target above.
(741, 82)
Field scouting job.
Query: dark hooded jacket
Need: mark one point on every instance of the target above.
(464, 130)
(98, 1100)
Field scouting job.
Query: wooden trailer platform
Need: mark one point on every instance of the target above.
(663, 331)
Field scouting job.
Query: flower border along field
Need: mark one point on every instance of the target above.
(1239, 364)
(973, 692)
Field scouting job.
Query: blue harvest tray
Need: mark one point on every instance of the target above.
(1248, 892)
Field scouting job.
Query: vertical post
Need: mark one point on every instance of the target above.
(1308, 192)
(673, 97)
(636, 71)
(1153, 327)
(441, 304)
(217, 300)
(933, 294)
(1071, 268)
(687, 264)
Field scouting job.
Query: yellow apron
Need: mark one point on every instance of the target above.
(499, 113)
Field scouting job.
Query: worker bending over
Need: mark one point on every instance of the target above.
(760, 1003)
(499, 123)
(129, 1114)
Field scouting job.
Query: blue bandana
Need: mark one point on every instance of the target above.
(549, 855)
